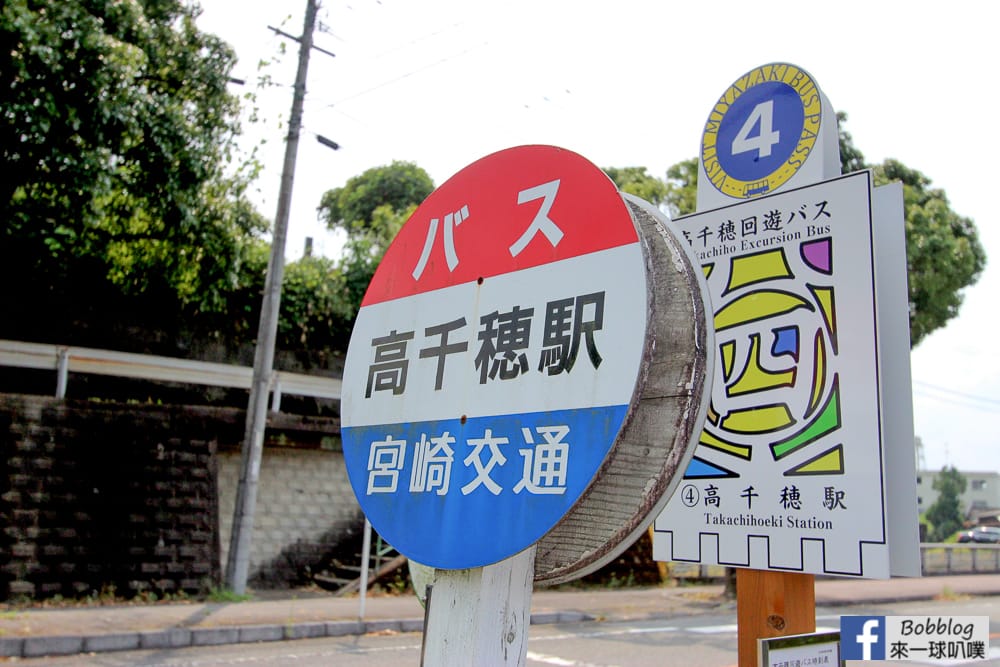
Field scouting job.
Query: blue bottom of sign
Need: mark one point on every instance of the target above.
(457, 495)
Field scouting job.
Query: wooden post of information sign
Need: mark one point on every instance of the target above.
(772, 604)
(526, 376)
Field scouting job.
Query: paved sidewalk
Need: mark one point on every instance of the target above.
(37, 632)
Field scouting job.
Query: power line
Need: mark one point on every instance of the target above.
(958, 402)
(417, 40)
(955, 394)
(407, 75)
(962, 404)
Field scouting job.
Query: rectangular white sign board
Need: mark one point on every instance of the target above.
(818, 648)
(790, 471)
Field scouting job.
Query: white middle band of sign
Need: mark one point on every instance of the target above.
(618, 273)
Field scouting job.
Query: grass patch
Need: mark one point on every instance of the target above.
(949, 595)
(226, 595)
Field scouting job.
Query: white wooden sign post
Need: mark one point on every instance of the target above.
(525, 380)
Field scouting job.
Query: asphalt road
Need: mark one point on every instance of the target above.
(684, 641)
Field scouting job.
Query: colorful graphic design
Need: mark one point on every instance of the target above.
(791, 449)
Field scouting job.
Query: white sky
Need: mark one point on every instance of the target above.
(442, 83)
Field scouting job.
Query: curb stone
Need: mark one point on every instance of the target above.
(33, 647)
(215, 636)
(412, 625)
(306, 630)
(343, 628)
(261, 633)
(11, 647)
(372, 627)
(179, 634)
(121, 641)
(160, 639)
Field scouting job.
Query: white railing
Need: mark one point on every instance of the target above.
(959, 558)
(65, 359)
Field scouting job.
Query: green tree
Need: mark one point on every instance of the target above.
(119, 202)
(851, 159)
(943, 251)
(316, 313)
(639, 182)
(371, 208)
(945, 514)
(682, 187)
(352, 207)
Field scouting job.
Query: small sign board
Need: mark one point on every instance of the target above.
(772, 129)
(815, 649)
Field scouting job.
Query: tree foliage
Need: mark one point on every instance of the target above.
(945, 514)
(943, 251)
(851, 159)
(639, 182)
(682, 187)
(352, 207)
(118, 199)
(371, 208)
(316, 312)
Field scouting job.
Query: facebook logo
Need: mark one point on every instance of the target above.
(862, 637)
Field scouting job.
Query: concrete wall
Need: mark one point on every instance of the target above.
(305, 509)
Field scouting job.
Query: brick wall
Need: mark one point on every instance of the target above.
(94, 497)
(139, 498)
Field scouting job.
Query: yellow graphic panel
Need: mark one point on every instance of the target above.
(756, 378)
(830, 462)
(759, 305)
(713, 415)
(751, 269)
(819, 373)
(718, 444)
(728, 352)
(824, 297)
(762, 419)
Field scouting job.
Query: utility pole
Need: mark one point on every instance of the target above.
(238, 561)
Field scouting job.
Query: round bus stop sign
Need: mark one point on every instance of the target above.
(504, 350)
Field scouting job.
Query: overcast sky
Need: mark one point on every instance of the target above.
(443, 83)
